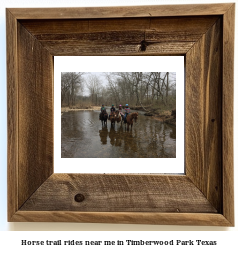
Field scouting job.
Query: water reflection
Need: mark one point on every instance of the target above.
(82, 136)
(103, 135)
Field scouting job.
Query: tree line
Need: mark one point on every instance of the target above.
(142, 89)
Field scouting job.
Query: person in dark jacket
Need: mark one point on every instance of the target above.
(112, 109)
(102, 109)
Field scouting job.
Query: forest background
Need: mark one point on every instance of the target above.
(147, 91)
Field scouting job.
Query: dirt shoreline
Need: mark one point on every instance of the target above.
(66, 109)
(164, 116)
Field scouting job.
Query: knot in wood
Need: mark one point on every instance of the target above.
(143, 45)
(79, 198)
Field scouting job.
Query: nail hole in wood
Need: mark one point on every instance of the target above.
(213, 120)
(79, 198)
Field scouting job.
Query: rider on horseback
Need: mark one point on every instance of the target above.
(127, 112)
(112, 110)
(103, 109)
(120, 110)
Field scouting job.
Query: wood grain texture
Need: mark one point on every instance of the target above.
(227, 113)
(12, 115)
(104, 193)
(119, 36)
(71, 48)
(192, 219)
(35, 100)
(189, 26)
(204, 114)
(125, 12)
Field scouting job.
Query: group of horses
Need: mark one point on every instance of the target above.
(116, 117)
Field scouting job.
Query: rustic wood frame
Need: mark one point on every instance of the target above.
(204, 34)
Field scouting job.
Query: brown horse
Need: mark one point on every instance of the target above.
(112, 118)
(103, 117)
(118, 117)
(129, 119)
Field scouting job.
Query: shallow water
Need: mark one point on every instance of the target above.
(82, 136)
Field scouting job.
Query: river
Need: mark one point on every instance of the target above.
(83, 136)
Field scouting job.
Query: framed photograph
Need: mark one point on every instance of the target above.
(154, 95)
(202, 35)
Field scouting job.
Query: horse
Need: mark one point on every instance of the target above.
(129, 119)
(112, 118)
(103, 117)
(118, 117)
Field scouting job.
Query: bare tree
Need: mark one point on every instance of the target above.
(144, 89)
(94, 86)
(65, 85)
(71, 85)
(114, 88)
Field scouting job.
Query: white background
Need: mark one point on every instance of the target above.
(10, 240)
(119, 64)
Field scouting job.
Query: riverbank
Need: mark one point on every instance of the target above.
(76, 108)
(165, 116)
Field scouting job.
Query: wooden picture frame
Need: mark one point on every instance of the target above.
(204, 34)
